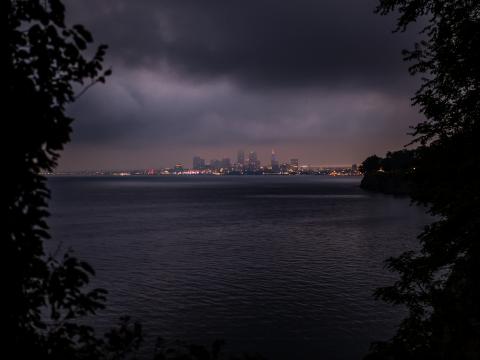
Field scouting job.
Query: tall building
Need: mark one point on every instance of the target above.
(226, 164)
(294, 164)
(241, 157)
(253, 163)
(198, 163)
(274, 163)
(215, 164)
(252, 156)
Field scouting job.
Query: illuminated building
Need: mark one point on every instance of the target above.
(198, 163)
(294, 164)
(215, 164)
(253, 162)
(226, 164)
(274, 163)
(241, 158)
(178, 168)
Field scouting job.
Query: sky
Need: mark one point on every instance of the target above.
(322, 81)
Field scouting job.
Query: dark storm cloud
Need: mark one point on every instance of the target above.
(264, 42)
(141, 107)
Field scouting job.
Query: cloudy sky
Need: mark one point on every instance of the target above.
(322, 81)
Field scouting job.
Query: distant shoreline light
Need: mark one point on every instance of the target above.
(177, 171)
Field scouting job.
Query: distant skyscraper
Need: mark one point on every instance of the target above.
(178, 168)
(215, 164)
(198, 163)
(253, 163)
(274, 163)
(241, 157)
(226, 164)
(294, 164)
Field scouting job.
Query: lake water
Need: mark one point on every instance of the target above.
(283, 266)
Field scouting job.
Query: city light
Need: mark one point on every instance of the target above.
(246, 163)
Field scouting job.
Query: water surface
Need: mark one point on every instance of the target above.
(284, 266)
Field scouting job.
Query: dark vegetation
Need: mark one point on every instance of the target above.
(440, 284)
(46, 296)
(389, 175)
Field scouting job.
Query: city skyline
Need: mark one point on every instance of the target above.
(263, 157)
(228, 161)
(244, 159)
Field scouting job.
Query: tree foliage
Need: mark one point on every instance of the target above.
(389, 175)
(440, 285)
(400, 161)
(371, 164)
(394, 161)
(44, 297)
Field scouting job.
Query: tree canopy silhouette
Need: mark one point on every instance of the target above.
(440, 285)
(371, 164)
(45, 64)
(389, 175)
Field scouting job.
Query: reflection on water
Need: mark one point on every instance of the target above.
(284, 266)
(313, 196)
